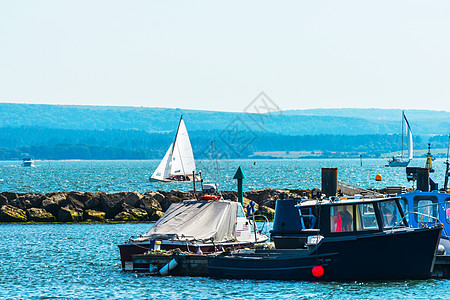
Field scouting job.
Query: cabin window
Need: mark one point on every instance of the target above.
(426, 209)
(341, 218)
(404, 204)
(309, 218)
(447, 210)
(389, 213)
(365, 217)
(240, 212)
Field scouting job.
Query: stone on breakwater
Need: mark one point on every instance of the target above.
(70, 214)
(94, 215)
(39, 215)
(132, 198)
(92, 200)
(162, 197)
(76, 199)
(139, 213)
(53, 202)
(9, 196)
(111, 204)
(149, 204)
(9, 213)
(125, 217)
(28, 200)
(3, 200)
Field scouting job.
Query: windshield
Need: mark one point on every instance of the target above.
(365, 217)
(390, 214)
(426, 208)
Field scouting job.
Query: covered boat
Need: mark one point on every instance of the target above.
(193, 225)
(329, 240)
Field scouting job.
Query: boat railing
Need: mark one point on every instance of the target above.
(424, 216)
(262, 218)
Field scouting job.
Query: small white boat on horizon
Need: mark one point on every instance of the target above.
(178, 164)
(398, 160)
(27, 162)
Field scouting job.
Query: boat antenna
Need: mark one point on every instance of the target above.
(447, 167)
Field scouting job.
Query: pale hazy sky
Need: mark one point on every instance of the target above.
(220, 55)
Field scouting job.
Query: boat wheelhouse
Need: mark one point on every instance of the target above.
(323, 240)
(428, 209)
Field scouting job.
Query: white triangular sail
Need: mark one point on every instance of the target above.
(410, 139)
(163, 169)
(179, 158)
(183, 162)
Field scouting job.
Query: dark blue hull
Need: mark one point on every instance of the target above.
(404, 254)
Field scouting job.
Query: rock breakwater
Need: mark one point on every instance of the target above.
(73, 207)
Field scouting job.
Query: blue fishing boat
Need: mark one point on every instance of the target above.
(426, 209)
(428, 205)
(332, 240)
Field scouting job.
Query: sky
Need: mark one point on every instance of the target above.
(220, 55)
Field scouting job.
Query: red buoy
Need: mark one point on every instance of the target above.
(317, 271)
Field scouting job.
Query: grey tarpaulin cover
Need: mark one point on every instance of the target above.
(196, 220)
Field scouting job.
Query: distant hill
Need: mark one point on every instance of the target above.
(292, 122)
(96, 132)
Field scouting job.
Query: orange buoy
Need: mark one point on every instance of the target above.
(378, 177)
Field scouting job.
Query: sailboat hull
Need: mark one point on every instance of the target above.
(396, 163)
(190, 180)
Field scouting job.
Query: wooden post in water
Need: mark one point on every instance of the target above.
(240, 176)
(329, 181)
(423, 179)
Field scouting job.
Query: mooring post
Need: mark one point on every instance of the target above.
(240, 176)
(329, 181)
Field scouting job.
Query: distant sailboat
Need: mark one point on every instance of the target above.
(398, 160)
(178, 165)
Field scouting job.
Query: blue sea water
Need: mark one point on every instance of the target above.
(66, 261)
(127, 175)
(62, 261)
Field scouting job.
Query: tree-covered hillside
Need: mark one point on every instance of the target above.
(93, 132)
(320, 121)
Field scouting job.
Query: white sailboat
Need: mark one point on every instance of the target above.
(398, 160)
(178, 165)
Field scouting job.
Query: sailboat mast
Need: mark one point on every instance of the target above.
(403, 128)
(176, 135)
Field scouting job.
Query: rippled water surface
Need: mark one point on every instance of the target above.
(122, 175)
(82, 260)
